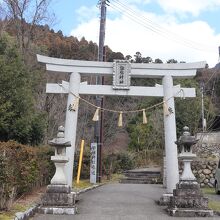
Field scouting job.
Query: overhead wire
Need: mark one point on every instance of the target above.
(213, 74)
(159, 27)
(154, 30)
(152, 26)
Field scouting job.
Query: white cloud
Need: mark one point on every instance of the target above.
(84, 13)
(194, 7)
(139, 1)
(128, 37)
(89, 30)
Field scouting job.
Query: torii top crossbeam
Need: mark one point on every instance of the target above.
(138, 70)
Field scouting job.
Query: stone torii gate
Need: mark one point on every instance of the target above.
(122, 71)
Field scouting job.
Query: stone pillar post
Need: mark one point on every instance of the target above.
(71, 124)
(172, 171)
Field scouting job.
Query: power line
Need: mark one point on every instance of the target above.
(140, 22)
(213, 74)
(148, 24)
(159, 27)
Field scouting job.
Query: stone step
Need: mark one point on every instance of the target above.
(142, 176)
(140, 180)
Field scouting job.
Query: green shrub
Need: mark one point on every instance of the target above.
(117, 162)
(111, 163)
(148, 157)
(125, 161)
(22, 168)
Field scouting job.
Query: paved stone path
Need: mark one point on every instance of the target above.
(120, 202)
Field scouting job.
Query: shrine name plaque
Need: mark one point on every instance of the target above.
(121, 74)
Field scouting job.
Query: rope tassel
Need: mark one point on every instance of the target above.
(120, 119)
(144, 117)
(96, 115)
(165, 109)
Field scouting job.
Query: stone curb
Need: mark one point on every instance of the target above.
(31, 211)
(27, 214)
(89, 188)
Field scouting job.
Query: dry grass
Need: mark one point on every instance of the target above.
(8, 215)
(23, 203)
(82, 185)
(214, 205)
(210, 191)
(85, 183)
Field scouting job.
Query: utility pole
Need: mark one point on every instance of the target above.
(203, 114)
(102, 30)
(98, 136)
(219, 54)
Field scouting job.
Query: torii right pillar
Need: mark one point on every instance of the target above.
(172, 171)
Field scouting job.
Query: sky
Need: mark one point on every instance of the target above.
(186, 30)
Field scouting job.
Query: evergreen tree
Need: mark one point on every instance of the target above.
(18, 119)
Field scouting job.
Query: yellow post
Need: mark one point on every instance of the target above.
(80, 161)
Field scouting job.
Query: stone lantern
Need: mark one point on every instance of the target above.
(187, 199)
(185, 144)
(58, 198)
(60, 158)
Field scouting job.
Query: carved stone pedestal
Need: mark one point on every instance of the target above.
(58, 199)
(58, 195)
(188, 201)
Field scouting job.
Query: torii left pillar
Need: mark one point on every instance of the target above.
(172, 171)
(71, 124)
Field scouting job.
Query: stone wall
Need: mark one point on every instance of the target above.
(208, 145)
(207, 151)
(204, 171)
(209, 138)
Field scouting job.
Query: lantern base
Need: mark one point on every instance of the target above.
(188, 201)
(58, 195)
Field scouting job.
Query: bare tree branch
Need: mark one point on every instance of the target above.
(25, 15)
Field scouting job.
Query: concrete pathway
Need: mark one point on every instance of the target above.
(120, 202)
